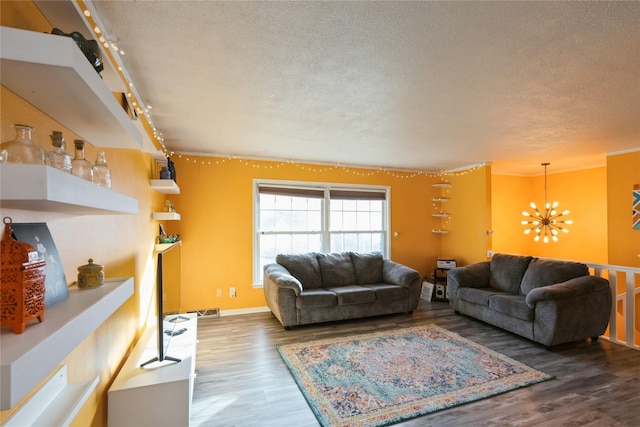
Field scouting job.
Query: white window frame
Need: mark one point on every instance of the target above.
(326, 187)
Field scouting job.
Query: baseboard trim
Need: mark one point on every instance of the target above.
(239, 311)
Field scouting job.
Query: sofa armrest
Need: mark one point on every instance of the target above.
(470, 276)
(279, 276)
(573, 288)
(569, 311)
(476, 275)
(398, 274)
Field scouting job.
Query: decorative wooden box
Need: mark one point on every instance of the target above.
(22, 279)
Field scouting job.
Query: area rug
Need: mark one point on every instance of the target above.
(382, 378)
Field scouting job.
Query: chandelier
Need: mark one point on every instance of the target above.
(547, 224)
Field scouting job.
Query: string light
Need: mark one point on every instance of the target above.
(115, 54)
(317, 168)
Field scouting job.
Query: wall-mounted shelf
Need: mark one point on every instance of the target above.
(443, 217)
(165, 186)
(55, 404)
(43, 188)
(29, 357)
(166, 216)
(51, 73)
(161, 247)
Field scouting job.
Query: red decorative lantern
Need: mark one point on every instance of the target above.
(21, 282)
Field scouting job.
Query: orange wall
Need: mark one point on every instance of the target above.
(624, 242)
(583, 192)
(216, 204)
(470, 208)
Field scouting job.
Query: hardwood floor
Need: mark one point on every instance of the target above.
(242, 381)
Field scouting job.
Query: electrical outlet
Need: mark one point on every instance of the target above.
(232, 292)
(219, 293)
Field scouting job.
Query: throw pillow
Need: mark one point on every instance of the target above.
(336, 269)
(303, 267)
(507, 272)
(544, 272)
(368, 267)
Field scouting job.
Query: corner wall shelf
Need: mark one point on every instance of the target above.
(51, 73)
(165, 186)
(29, 357)
(43, 188)
(440, 231)
(166, 216)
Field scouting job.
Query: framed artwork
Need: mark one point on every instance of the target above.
(636, 207)
(37, 235)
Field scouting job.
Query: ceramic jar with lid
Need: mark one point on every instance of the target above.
(90, 275)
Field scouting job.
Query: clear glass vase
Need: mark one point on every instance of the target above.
(58, 157)
(101, 172)
(22, 149)
(80, 167)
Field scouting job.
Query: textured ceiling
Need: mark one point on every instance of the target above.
(410, 85)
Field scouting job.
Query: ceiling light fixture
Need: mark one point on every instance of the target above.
(547, 225)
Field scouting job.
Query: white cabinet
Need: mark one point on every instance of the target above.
(160, 393)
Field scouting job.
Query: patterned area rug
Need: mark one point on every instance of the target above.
(386, 377)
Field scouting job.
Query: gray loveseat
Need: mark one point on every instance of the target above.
(548, 301)
(317, 287)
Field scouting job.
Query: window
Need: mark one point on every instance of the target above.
(293, 218)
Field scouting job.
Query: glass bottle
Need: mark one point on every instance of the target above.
(101, 172)
(58, 157)
(80, 167)
(23, 149)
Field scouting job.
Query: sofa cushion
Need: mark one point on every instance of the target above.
(336, 269)
(388, 292)
(316, 298)
(512, 305)
(544, 272)
(477, 295)
(353, 294)
(367, 267)
(303, 267)
(507, 272)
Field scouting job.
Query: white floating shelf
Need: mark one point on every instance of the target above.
(440, 199)
(166, 216)
(165, 186)
(55, 404)
(51, 73)
(440, 231)
(43, 188)
(161, 247)
(441, 185)
(29, 357)
(441, 215)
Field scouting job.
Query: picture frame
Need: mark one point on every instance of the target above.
(37, 235)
